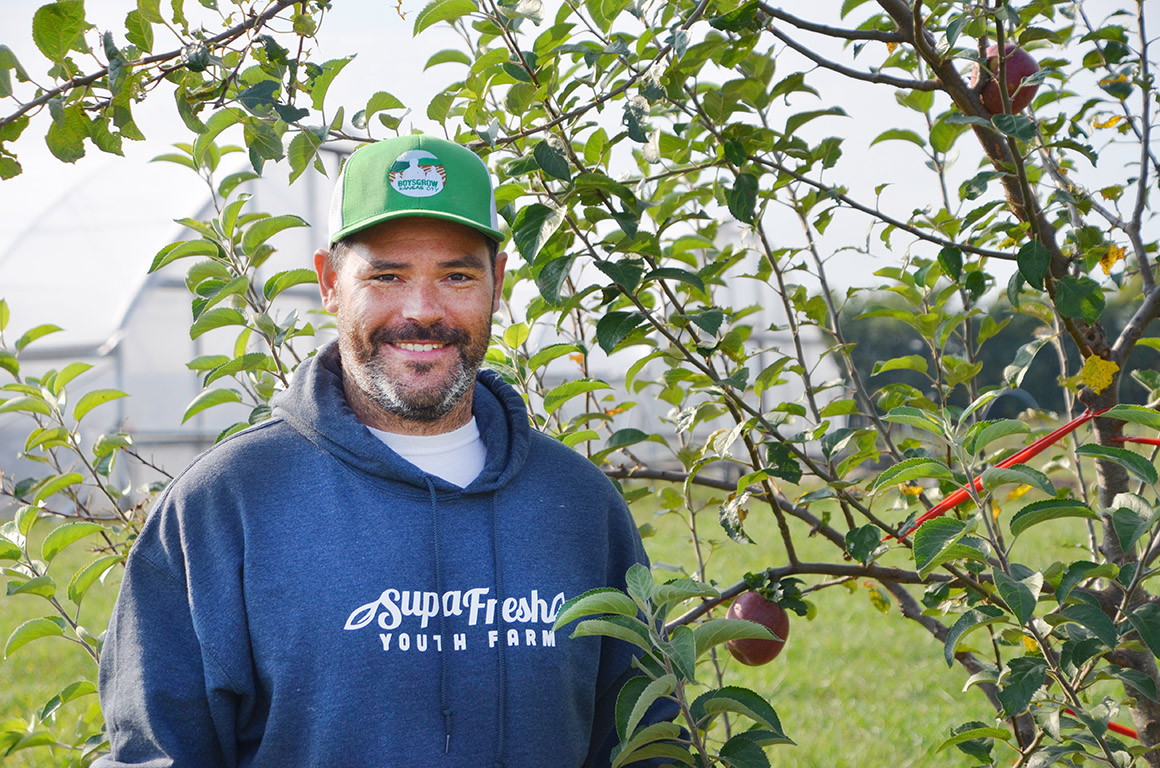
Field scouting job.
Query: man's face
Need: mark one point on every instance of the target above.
(413, 300)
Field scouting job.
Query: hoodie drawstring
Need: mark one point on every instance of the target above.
(437, 556)
(501, 699)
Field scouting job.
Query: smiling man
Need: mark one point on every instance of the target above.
(370, 577)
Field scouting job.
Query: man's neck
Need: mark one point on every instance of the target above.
(372, 414)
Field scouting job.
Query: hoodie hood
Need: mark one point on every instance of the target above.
(316, 395)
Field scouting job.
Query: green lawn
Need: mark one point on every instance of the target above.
(854, 686)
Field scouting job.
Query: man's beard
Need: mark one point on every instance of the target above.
(429, 403)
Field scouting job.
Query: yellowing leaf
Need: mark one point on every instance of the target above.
(1097, 373)
(890, 46)
(1113, 120)
(906, 489)
(1115, 253)
(1018, 492)
(1030, 644)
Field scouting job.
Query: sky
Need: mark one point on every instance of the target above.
(388, 58)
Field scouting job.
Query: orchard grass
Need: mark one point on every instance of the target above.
(39, 670)
(853, 686)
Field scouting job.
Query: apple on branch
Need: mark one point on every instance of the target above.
(1019, 65)
(753, 607)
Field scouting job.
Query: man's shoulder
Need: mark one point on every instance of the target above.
(247, 455)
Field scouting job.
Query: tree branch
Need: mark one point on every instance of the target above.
(254, 22)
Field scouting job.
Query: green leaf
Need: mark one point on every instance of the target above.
(737, 700)
(33, 629)
(1136, 414)
(1020, 595)
(9, 550)
(683, 275)
(951, 260)
(58, 28)
(1016, 126)
(1093, 619)
(139, 31)
(56, 484)
(442, 10)
(1033, 260)
(985, 433)
(646, 736)
(968, 622)
(975, 733)
(1079, 297)
(27, 403)
(1049, 509)
(639, 582)
(33, 334)
(898, 134)
(680, 590)
(217, 123)
(151, 10)
(625, 702)
(1136, 464)
(183, 249)
(263, 229)
(64, 535)
(532, 227)
(84, 579)
(614, 327)
(549, 154)
(934, 536)
(800, 119)
(904, 363)
(682, 651)
(1026, 676)
(447, 56)
(302, 151)
(322, 81)
(550, 353)
(913, 469)
(42, 586)
(91, 400)
(1146, 621)
(662, 686)
(716, 631)
(917, 418)
(1013, 374)
(742, 197)
(619, 627)
(865, 543)
(218, 317)
(593, 603)
(283, 280)
(561, 394)
(208, 399)
(69, 693)
(1020, 474)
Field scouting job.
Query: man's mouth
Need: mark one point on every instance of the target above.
(412, 346)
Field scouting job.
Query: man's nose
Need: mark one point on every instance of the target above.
(422, 304)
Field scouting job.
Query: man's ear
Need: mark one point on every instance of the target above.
(327, 279)
(500, 267)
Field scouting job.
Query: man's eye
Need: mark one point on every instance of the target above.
(386, 278)
(459, 277)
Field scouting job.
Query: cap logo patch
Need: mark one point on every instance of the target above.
(417, 173)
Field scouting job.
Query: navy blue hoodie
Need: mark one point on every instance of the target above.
(302, 596)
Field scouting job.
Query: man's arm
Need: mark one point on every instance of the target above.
(162, 692)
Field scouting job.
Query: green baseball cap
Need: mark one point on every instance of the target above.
(413, 176)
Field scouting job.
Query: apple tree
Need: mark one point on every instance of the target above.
(651, 157)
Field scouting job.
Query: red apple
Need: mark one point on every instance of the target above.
(1020, 64)
(754, 607)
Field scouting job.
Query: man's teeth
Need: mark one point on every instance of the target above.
(411, 347)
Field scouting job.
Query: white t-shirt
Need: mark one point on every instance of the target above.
(457, 456)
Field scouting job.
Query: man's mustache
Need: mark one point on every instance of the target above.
(414, 332)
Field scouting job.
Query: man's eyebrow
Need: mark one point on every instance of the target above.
(467, 261)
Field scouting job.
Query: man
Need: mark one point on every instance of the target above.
(370, 577)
